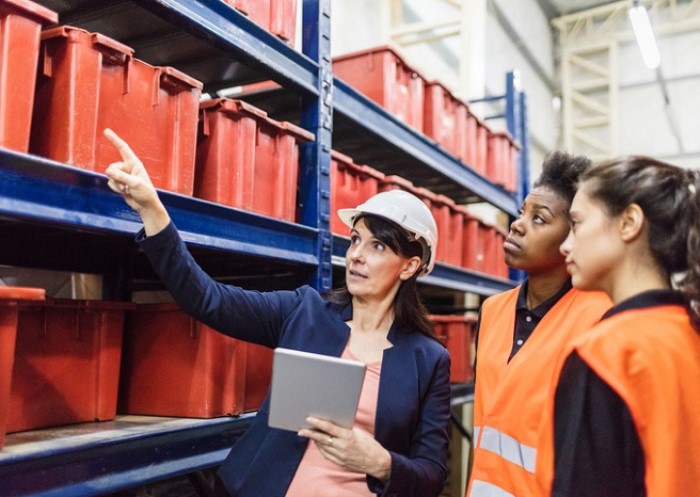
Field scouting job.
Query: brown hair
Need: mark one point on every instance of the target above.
(669, 196)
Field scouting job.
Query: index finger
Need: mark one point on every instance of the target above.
(122, 147)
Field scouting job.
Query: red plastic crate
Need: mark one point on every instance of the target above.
(176, 366)
(470, 141)
(258, 374)
(11, 301)
(454, 237)
(277, 16)
(457, 334)
(492, 255)
(502, 156)
(67, 361)
(481, 134)
(382, 75)
(441, 208)
(446, 120)
(89, 82)
(500, 266)
(247, 160)
(471, 241)
(20, 29)
(351, 184)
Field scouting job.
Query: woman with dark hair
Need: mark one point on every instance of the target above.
(398, 445)
(627, 405)
(521, 332)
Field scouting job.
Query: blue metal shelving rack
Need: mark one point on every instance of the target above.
(219, 46)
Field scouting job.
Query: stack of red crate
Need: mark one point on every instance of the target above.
(247, 160)
(457, 334)
(20, 29)
(277, 16)
(89, 82)
(382, 75)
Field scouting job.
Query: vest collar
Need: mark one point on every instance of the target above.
(650, 298)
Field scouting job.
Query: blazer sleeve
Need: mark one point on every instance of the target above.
(422, 473)
(252, 316)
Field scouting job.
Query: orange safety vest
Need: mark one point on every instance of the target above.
(651, 358)
(510, 396)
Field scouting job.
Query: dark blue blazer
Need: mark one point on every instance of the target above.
(413, 407)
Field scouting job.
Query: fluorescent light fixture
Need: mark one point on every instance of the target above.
(644, 34)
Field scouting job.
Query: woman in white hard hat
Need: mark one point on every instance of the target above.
(398, 445)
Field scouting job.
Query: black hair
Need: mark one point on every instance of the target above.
(561, 173)
(669, 197)
(409, 309)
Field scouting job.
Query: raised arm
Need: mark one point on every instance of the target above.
(130, 179)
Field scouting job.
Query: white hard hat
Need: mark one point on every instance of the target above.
(406, 210)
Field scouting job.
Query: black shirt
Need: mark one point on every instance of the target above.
(597, 451)
(526, 320)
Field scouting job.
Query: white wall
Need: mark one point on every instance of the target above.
(358, 24)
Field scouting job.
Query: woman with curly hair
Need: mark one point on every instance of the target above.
(522, 332)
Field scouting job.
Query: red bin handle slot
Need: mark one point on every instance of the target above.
(174, 80)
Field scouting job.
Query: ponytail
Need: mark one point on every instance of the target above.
(669, 196)
(690, 283)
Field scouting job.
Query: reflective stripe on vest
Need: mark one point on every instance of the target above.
(507, 447)
(486, 489)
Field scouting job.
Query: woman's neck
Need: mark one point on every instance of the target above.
(370, 316)
(637, 278)
(543, 286)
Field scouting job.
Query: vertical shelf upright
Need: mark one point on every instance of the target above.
(317, 117)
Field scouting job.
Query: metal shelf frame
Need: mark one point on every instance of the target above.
(98, 458)
(36, 193)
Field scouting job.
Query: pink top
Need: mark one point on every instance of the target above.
(318, 477)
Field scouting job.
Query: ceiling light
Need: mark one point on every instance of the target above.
(644, 34)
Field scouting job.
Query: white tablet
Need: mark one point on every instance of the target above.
(306, 384)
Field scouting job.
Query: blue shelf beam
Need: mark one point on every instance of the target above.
(238, 35)
(38, 190)
(114, 456)
(443, 275)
